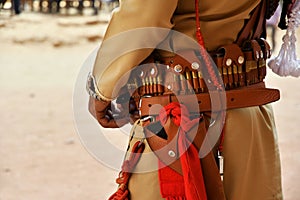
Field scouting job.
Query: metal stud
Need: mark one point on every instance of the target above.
(257, 55)
(172, 153)
(241, 59)
(195, 65)
(228, 62)
(178, 68)
(152, 71)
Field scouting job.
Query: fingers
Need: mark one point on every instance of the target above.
(91, 107)
(106, 114)
(112, 123)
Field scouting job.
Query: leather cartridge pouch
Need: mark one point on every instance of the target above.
(163, 140)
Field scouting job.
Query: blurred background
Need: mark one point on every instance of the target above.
(43, 44)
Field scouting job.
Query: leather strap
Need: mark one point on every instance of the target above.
(254, 95)
(255, 25)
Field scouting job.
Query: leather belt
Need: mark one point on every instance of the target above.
(162, 80)
(184, 72)
(239, 98)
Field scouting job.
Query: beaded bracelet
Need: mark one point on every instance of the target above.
(92, 89)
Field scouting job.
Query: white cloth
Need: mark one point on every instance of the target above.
(286, 63)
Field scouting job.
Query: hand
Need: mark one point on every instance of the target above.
(130, 108)
(127, 104)
(106, 114)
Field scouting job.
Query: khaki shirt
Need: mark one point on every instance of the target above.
(220, 23)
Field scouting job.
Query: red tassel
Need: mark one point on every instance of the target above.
(128, 166)
(175, 198)
(190, 186)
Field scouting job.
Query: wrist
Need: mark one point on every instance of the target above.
(93, 90)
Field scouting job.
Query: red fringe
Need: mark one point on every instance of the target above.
(175, 198)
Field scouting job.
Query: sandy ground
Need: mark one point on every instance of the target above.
(41, 154)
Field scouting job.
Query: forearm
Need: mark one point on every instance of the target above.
(126, 44)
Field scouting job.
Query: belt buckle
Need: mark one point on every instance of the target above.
(140, 104)
(149, 117)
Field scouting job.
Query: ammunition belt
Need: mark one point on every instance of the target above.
(182, 74)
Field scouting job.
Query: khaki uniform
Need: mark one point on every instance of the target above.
(252, 165)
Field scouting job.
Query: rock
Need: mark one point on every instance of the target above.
(2, 24)
(93, 38)
(60, 43)
(95, 22)
(69, 141)
(7, 170)
(31, 95)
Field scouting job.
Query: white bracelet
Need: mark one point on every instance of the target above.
(92, 88)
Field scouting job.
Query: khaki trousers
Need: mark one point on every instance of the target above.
(251, 159)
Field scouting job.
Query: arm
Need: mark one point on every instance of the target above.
(113, 61)
(132, 14)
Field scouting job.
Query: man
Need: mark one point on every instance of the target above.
(248, 139)
(15, 3)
